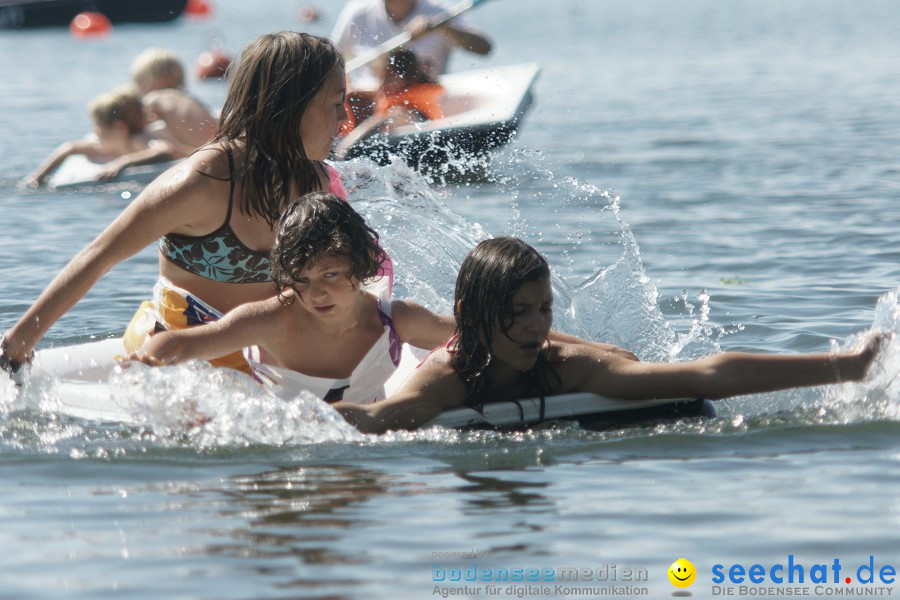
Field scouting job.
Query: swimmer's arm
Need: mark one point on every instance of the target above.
(176, 199)
(715, 377)
(246, 325)
(432, 389)
(50, 164)
(158, 150)
(458, 36)
(419, 327)
(466, 39)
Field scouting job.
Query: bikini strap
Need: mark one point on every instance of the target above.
(230, 185)
(395, 346)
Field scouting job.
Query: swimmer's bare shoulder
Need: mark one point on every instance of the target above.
(197, 189)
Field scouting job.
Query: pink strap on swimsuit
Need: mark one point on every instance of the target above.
(335, 184)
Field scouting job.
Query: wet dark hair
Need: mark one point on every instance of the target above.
(277, 76)
(320, 224)
(488, 279)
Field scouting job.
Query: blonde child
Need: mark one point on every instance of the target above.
(174, 115)
(119, 139)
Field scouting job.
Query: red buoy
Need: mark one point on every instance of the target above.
(309, 14)
(198, 8)
(212, 64)
(89, 24)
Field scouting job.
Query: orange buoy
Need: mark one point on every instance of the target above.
(198, 8)
(89, 24)
(309, 14)
(212, 64)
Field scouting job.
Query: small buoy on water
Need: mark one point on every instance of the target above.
(89, 24)
(198, 8)
(212, 64)
(309, 14)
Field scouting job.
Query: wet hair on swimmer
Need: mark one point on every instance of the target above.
(276, 77)
(320, 224)
(488, 279)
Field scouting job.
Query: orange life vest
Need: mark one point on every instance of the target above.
(423, 98)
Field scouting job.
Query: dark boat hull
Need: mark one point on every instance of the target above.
(59, 13)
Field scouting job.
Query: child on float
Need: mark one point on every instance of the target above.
(500, 351)
(331, 328)
(407, 95)
(173, 114)
(119, 139)
(214, 214)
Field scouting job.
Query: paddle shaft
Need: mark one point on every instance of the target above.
(405, 36)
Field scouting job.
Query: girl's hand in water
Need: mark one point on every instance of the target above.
(140, 356)
(161, 349)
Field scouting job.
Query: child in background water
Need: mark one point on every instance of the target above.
(119, 139)
(174, 115)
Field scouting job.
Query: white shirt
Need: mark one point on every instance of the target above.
(363, 24)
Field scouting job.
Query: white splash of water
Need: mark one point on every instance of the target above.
(878, 395)
(205, 406)
(8, 394)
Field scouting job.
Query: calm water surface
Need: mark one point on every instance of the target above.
(704, 175)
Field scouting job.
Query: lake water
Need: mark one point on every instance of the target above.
(704, 176)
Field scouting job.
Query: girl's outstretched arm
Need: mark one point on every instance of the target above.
(714, 377)
(419, 327)
(176, 198)
(247, 325)
(61, 153)
(433, 388)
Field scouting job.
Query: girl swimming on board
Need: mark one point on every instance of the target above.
(500, 351)
(214, 214)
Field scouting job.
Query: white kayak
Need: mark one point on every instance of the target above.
(81, 374)
(77, 171)
(483, 109)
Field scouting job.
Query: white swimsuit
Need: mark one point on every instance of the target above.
(364, 386)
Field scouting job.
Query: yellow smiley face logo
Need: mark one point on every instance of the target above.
(682, 573)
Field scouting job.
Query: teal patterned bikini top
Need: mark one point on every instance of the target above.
(219, 255)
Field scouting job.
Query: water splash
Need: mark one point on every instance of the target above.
(426, 240)
(199, 405)
(603, 292)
